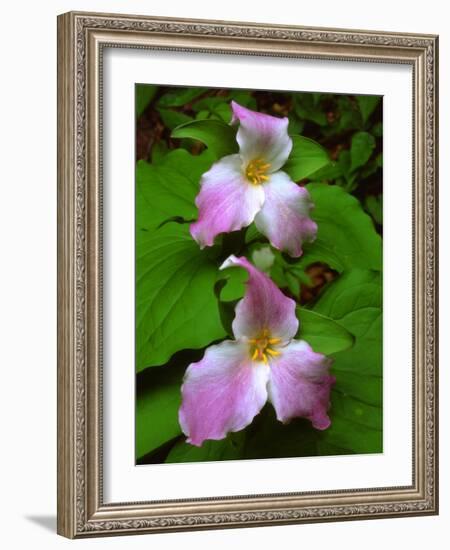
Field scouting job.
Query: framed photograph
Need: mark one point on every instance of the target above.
(247, 274)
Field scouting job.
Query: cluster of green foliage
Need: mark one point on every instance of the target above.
(184, 303)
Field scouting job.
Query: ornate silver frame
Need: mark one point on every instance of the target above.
(81, 37)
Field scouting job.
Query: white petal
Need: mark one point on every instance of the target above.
(262, 136)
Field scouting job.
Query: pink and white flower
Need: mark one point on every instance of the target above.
(224, 391)
(249, 186)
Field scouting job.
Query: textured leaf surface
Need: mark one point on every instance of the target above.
(167, 189)
(306, 157)
(355, 301)
(346, 236)
(323, 334)
(219, 138)
(176, 307)
(157, 409)
(178, 97)
(361, 149)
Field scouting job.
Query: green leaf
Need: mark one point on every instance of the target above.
(354, 300)
(323, 334)
(295, 126)
(356, 427)
(220, 138)
(244, 98)
(172, 118)
(167, 190)
(306, 157)
(374, 205)
(235, 278)
(174, 295)
(346, 236)
(216, 107)
(144, 95)
(224, 449)
(157, 403)
(349, 115)
(377, 129)
(361, 149)
(307, 107)
(333, 170)
(367, 105)
(252, 234)
(179, 97)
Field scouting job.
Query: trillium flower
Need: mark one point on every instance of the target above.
(249, 186)
(224, 391)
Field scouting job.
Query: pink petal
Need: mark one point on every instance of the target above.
(227, 201)
(284, 218)
(300, 385)
(264, 306)
(262, 136)
(222, 393)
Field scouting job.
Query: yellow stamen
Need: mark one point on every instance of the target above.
(261, 347)
(256, 171)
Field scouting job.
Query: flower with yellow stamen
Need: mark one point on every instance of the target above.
(225, 390)
(250, 186)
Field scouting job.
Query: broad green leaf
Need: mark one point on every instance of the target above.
(356, 427)
(144, 94)
(323, 334)
(367, 105)
(346, 236)
(157, 403)
(220, 138)
(159, 151)
(330, 172)
(176, 307)
(354, 300)
(306, 157)
(225, 449)
(167, 189)
(235, 278)
(172, 118)
(179, 97)
(361, 149)
(374, 205)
